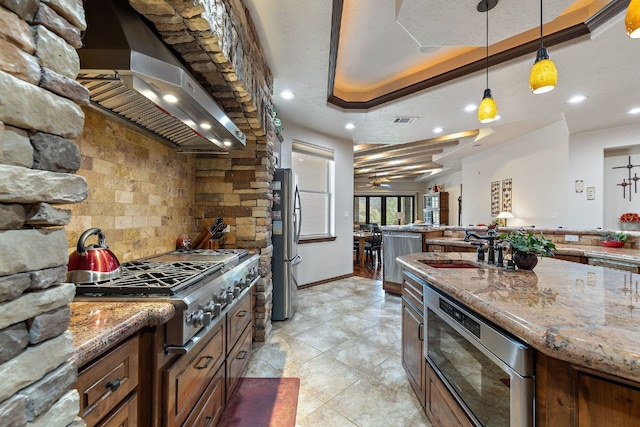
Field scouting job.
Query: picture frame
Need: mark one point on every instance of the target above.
(506, 195)
(495, 198)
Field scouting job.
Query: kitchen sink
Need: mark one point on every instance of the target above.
(448, 263)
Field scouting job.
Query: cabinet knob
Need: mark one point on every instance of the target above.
(113, 385)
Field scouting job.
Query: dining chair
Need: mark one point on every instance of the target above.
(374, 245)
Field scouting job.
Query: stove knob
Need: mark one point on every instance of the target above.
(214, 308)
(236, 291)
(217, 308)
(229, 297)
(200, 318)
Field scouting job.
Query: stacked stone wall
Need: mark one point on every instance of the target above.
(40, 112)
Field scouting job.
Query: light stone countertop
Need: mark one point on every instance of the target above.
(583, 314)
(98, 326)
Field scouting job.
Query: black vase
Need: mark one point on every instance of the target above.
(525, 260)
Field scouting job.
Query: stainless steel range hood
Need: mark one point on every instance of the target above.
(130, 72)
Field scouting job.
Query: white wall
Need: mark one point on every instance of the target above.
(537, 163)
(588, 164)
(321, 261)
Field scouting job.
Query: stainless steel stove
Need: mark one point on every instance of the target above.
(201, 284)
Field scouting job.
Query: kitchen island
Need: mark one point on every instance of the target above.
(575, 245)
(581, 320)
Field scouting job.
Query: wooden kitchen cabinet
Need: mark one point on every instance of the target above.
(571, 396)
(436, 208)
(413, 360)
(186, 380)
(209, 410)
(441, 407)
(108, 386)
(239, 333)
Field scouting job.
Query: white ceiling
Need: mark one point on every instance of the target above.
(295, 35)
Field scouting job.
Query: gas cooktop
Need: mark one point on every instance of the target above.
(165, 274)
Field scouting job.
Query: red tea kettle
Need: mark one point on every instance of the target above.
(93, 263)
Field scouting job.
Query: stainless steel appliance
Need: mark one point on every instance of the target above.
(130, 74)
(287, 220)
(202, 285)
(396, 244)
(489, 372)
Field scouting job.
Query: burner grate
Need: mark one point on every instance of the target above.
(157, 278)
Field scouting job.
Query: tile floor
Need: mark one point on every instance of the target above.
(344, 345)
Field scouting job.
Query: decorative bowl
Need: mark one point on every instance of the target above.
(610, 244)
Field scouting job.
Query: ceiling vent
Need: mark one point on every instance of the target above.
(404, 120)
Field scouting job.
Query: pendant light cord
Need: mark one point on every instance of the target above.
(487, 45)
(541, 42)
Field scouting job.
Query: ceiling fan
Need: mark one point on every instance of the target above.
(377, 183)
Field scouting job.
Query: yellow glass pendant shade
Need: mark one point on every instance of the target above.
(632, 19)
(487, 109)
(544, 75)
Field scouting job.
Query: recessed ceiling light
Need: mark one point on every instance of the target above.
(205, 125)
(576, 99)
(170, 98)
(287, 94)
(437, 129)
(471, 107)
(635, 110)
(350, 126)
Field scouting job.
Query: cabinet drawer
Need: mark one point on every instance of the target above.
(188, 377)
(125, 415)
(413, 292)
(237, 360)
(208, 411)
(237, 320)
(104, 383)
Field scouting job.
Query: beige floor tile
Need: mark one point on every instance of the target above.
(324, 417)
(325, 377)
(344, 344)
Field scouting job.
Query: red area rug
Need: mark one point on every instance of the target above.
(262, 402)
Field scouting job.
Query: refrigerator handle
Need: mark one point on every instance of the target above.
(297, 215)
(297, 260)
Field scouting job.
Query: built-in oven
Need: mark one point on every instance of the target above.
(488, 372)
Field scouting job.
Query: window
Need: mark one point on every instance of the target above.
(382, 209)
(315, 169)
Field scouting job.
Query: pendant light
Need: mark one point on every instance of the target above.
(487, 109)
(632, 19)
(544, 75)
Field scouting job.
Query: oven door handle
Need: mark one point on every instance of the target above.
(184, 349)
(421, 331)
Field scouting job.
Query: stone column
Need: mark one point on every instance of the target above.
(39, 113)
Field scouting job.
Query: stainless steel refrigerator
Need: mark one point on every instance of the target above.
(286, 219)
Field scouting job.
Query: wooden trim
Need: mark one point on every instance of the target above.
(562, 36)
(308, 240)
(320, 282)
(336, 22)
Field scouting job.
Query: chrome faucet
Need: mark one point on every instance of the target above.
(490, 237)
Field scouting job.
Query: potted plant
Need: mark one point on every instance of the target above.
(613, 239)
(525, 248)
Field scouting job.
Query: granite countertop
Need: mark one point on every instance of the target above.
(98, 326)
(575, 312)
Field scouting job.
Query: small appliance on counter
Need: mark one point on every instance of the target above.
(92, 263)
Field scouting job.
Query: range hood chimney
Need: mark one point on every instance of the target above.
(130, 72)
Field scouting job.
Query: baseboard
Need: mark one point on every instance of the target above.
(320, 282)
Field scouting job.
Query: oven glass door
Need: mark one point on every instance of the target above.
(479, 382)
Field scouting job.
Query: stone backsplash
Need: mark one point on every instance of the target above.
(40, 112)
(141, 191)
